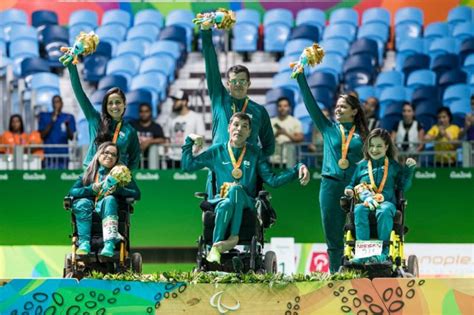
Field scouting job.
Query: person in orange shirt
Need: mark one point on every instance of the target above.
(15, 135)
(443, 134)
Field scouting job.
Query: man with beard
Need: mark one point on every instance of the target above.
(184, 122)
(148, 131)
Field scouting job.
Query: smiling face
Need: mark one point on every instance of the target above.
(115, 106)
(239, 131)
(443, 119)
(408, 114)
(343, 111)
(108, 157)
(377, 148)
(238, 84)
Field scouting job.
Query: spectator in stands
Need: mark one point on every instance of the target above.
(184, 122)
(56, 127)
(316, 136)
(443, 134)
(287, 129)
(409, 133)
(148, 131)
(371, 109)
(16, 135)
(107, 125)
(468, 130)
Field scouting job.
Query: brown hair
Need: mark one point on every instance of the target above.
(241, 116)
(359, 120)
(93, 167)
(104, 133)
(385, 135)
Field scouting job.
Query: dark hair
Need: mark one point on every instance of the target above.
(22, 127)
(283, 98)
(237, 69)
(93, 167)
(376, 102)
(385, 135)
(56, 96)
(359, 120)
(447, 111)
(144, 105)
(103, 134)
(241, 116)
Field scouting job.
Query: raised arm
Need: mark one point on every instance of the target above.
(267, 138)
(81, 97)
(191, 163)
(213, 74)
(311, 105)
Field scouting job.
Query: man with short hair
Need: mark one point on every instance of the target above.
(184, 121)
(287, 130)
(371, 109)
(236, 164)
(56, 127)
(148, 131)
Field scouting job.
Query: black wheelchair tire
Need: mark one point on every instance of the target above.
(270, 262)
(412, 265)
(137, 262)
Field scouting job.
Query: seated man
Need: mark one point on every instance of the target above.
(236, 165)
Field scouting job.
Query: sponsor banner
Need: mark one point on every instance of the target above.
(185, 176)
(147, 176)
(70, 176)
(4, 176)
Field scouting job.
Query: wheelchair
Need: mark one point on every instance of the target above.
(78, 266)
(251, 237)
(396, 265)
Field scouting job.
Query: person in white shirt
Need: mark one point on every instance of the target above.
(287, 129)
(409, 133)
(183, 122)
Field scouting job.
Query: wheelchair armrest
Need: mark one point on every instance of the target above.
(346, 203)
(201, 195)
(129, 200)
(67, 202)
(264, 194)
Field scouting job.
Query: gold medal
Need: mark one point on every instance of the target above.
(379, 198)
(343, 163)
(237, 173)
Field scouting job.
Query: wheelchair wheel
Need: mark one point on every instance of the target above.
(67, 270)
(412, 265)
(253, 253)
(270, 262)
(136, 262)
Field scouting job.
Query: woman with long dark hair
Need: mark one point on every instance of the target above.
(380, 170)
(107, 125)
(85, 192)
(342, 145)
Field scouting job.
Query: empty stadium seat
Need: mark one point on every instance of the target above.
(468, 65)
(305, 31)
(97, 98)
(245, 37)
(365, 91)
(456, 92)
(443, 45)
(45, 85)
(460, 14)
(32, 65)
(342, 31)
(274, 94)
(390, 95)
(463, 30)
(425, 94)
(114, 80)
(117, 17)
(184, 19)
(296, 46)
(436, 30)
(149, 16)
(336, 46)
(249, 16)
(271, 109)
(10, 18)
(111, 34)
(123, 65)
(21, 49)
(23, 31)
(408, 23)
(451, 77)
(323, 79)
(425, 113)
(275, 37)
(160, 63)
(366, 46)
(154, 82)
(376, 15)
(41, 18)
(443, 63)
(344, 16)
(87, 18)
(358, 70)
(421, 77)
(331, 63)
(165, 47)
(312, 16)
(283, 80)
(392, 115)
(388, 78)
(176, 33)
(467, 48)
(146, 32)
(134, 99)
(415, 62)
(324, 96)
(136, 48)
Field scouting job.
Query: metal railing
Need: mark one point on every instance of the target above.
(168, 156)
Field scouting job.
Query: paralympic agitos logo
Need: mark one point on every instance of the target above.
(216, 302)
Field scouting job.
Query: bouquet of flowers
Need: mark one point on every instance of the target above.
(85, 44)
(119, 175)
(310, 56)
(365, 194)
(221, 19)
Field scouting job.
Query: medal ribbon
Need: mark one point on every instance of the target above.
(96, 180)
(243, 108)
(116, 132)
(384, 178)
(345, 143)
(232, 157)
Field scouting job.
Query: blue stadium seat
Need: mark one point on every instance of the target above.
(324, 96)
(32, 65)
(135, 48)
(284, 63)
(406, 31)
(20, 50)
(138, 97)
(271, 109)
(120, 18)
(342, 31)
(161, 63)
(443, 63)
(366, 46)
(436, 30)
(332, 63)
(87, 18)
(83, 137)
(96, 99)
(3, 48)
(175, 33)
(323, 79)
(376, 30)
(409, 15)
(376, 15)
(283, 80)
(392, 115)
(23, 31)
(146, 32)
(456, 92)
(103, 49)
(408, 47)
(41, 18)
(75, 30)
(123, 65)
(165, 47)
(249, 16)
(10, 18)
(301, 111)
(344, 16)
(388, 78)
(468, 65)
(467, 48)
(278, 16)
(421, 77)
(358, 70)
(463, 30)
(155, 83)
(425, 113)
(46, 85)
(460, 14)
(425, 93)
(389, 95)
(149, 16)
(95, 64)
(365, 91)
(53, 37)
(305, 31)
(112, 34)
(415, 62)
(245, 37)
(444, 45)
(184, 19)
(296, 46)
(274, 94)
(312, 16)
(114, 80)
(451, 77)
(218, 39)
(275, 37)
(462, 106)
(336, 46)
